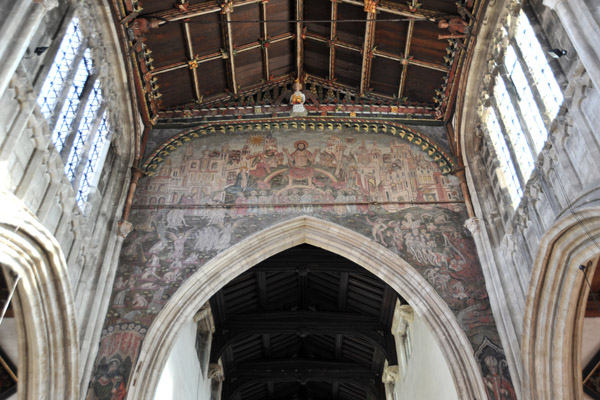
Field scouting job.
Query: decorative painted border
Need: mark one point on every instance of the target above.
(445, 162)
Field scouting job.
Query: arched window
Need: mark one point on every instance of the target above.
(525, 99)
(71, 101)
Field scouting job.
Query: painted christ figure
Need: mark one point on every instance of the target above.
(300, 162)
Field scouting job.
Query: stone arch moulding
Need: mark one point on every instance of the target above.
(46, 327)
(244, 255)
(442, 158)
(554, 308)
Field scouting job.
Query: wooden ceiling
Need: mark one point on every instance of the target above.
(197, 58)
(304, 324)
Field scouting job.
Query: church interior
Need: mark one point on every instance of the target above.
(299, 199)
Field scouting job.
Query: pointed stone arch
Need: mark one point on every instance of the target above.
(553, 322)
(44, 311)
(244, 255)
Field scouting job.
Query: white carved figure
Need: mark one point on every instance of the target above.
(297, 100)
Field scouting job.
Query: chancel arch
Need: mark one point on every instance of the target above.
(384, 264)
(218, 189)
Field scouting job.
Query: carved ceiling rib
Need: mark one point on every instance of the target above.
(412, 61)
(184, 64)
(299, 39)
(192, 63)
(228, 38)
(194, 10)
(332, 35)
(265, 38)
(405, 61)
(367, 50)
(256, 45)
(336, 43)
(397, 9)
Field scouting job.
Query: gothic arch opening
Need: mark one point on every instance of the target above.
(48, 363)
(556, 303)
(306, 324)
(239, 258)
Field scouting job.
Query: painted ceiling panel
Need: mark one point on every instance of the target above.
(390, 36)
(247, 32)
(213, 80)
(248, 67)
(206, 41)
(399, 60)
(351, 32)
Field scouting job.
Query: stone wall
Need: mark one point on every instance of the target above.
(566, 177)
(34, 172)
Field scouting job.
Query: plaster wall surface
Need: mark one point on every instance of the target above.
(427, 376)
(182, 377)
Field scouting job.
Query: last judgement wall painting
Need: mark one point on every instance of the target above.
(216, 190)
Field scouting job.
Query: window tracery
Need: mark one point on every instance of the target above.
(525, 99)
(59, 71)
(72, 101)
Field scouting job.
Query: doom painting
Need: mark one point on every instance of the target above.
(214, 191)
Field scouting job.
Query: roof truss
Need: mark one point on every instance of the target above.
(369, 83)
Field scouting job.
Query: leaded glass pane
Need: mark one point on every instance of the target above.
(69, 109)
(93, 167)
(60, 68)
(527, 104)
(538, 65)
(506, 164)
(85, 128)
(514, 130)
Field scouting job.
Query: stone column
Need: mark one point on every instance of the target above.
(498, 296)
(583, 28)
(390, 376)
(404, 315)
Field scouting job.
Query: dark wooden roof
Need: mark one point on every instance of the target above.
(304, 324)
(199, 58)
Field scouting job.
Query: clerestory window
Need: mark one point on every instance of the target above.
(526, 99)
(71, 101)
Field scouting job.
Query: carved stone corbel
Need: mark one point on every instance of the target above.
(215, 372)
